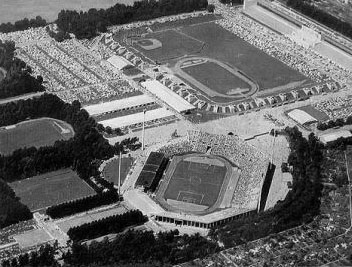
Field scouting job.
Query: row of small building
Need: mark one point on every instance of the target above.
(246, 105)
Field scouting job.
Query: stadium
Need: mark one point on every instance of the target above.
(204, 180)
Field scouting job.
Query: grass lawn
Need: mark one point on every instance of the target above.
(215, 77)
(52, 188)
(224, 46)
(35, 133)
(111, 170)
(174, 45)
(195, 182)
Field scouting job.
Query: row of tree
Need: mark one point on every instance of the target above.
(232, 2)
(108, 225)
(136, 247)
(78, 152)
(82, 204)
(322, 126)
(23, 24)
(309, 9)
(301, 204)
(18, 79)
(45, 256)
(89, 24)
(11, 209)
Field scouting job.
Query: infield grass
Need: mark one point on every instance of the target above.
(197, 183)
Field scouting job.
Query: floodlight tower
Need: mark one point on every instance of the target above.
(143, 129)
(119, 185)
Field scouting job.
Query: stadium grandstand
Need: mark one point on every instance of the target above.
(119, 105)
(152, 171)
(118, 62)
(166, 95)
(331, 137)
(242, 191)
(301, 117)
(137, 118)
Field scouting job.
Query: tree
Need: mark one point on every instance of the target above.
(211, 8)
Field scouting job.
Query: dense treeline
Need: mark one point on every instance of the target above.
(23, 24)
(128, 144)
(322, 126)
(11, 209)
(108, 225)
(45, 256)
(135, 247)
(83, 204)
(232, 2)
(78, 153)
(18, 79)
(301, 204)
(305, 7)
(89, 24)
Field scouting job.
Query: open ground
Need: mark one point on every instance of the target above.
(37, 133)
(48, 189)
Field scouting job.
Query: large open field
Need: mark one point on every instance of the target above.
(35, 133)
(12, 10)
(223, 46)
(52, 188)
(194, 183)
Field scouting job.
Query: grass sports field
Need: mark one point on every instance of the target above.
(175, 44)
(52, 188)
(30, 133)
(221, 45)
(111, 170)
(220, 80)
(196, 180)
(12, 10)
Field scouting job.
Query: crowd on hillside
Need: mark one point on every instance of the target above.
(96, 93)
(307, 61)
(32, 35)
(338, 107)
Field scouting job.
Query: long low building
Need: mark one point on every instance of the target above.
(166, 95)
(120, 104)
(330, 137)
(136, 118)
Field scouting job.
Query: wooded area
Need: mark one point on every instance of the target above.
(89, 24)
(18, 79)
